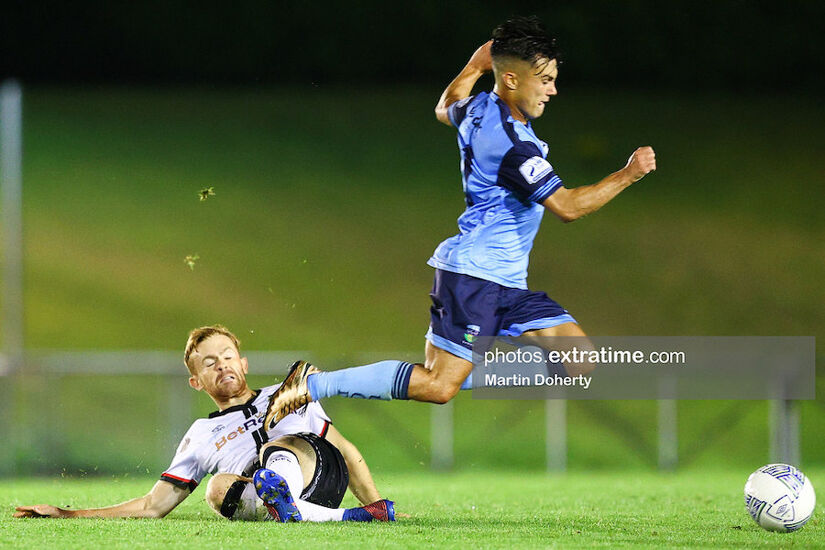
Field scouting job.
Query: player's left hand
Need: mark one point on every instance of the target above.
(41, 511)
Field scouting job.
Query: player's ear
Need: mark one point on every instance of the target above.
(244, 365)
(510, 80)
(195, 383)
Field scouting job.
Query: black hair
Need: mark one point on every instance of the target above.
(524, 38)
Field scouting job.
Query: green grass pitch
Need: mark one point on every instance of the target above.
(467, 510)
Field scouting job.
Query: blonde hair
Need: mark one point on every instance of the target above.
(198, 335)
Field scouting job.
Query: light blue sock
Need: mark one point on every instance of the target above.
(383, 380)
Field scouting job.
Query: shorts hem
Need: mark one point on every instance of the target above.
(449, 346)
(517, 329)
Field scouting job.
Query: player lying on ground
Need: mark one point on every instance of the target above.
(308, 464)
(480, 286)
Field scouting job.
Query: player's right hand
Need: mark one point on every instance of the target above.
(482, 59)
(641, 163)
(41, 511)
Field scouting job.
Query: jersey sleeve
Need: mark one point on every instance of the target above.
(458, 110)
(525, 172)
(185, 471)
(319, 421)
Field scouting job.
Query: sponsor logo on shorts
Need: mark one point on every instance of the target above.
(534, 169)
(472, 333)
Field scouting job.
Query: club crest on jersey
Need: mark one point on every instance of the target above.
(534, 169)
(472, 333)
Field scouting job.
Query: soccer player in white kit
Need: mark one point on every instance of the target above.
(302, 467)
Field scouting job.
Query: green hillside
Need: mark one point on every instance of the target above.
(327, 205)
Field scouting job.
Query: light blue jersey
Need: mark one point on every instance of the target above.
(506, 178)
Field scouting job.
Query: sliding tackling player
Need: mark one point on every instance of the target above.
(307, 463)
(480, 284)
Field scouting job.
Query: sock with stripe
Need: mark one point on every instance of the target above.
(285, 464)
(383, 380)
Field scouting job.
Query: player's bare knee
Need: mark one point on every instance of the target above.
(440, 378)
(216, 490)
(585, 366)
(284, 442)
(575, 369)
(442, 391)
(233, 497)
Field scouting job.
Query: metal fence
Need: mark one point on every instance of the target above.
(54, 383)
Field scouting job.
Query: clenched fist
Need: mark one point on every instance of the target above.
(640, 163)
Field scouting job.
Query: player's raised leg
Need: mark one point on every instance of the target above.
(544, 339)
(304, 383)
(437, 381)
(441, 378)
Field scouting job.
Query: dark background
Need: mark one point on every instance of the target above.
(731, 44)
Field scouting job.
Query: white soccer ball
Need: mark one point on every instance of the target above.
(779, 498)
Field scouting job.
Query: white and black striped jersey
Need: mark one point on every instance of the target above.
(228, 441)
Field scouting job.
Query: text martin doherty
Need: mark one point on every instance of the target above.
(515, 380)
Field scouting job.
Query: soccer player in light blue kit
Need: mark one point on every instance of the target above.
(480, 286)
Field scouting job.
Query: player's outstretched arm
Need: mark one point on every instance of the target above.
(360, 479)
(572, 204)
(481, 62)
(158, 502)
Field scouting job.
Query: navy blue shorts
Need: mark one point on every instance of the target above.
(466, 307)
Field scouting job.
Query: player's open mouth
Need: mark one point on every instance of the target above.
(227, 378)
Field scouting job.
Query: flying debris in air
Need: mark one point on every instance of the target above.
(206, 192)
(190, 261)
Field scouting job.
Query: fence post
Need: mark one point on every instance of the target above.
(178, 413)
(784, 425)
(8, 460)
(11, 152)
(668, 444)
(555, 414)
(11, 212)
(441, 433)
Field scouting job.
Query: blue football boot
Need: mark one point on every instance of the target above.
(380, 510)
(274, 491)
